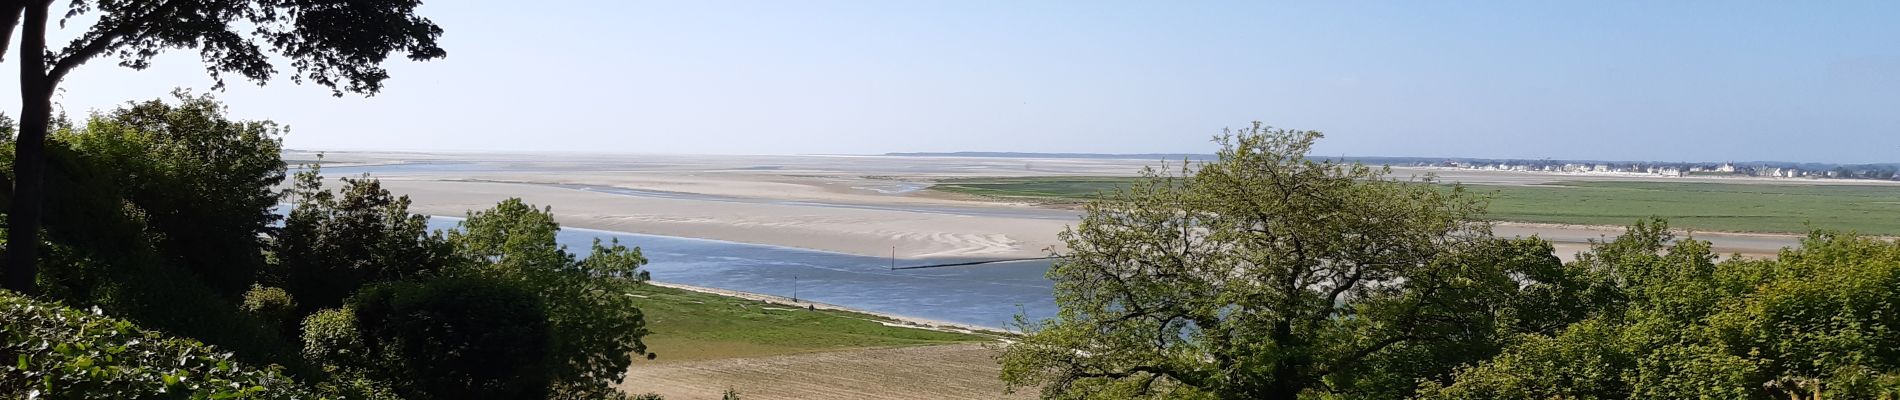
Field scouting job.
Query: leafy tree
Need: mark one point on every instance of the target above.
(171, 161)
(128, 230)
(1815, 320)
(334, 243)
(339, 45)
(596, 327)
(1266, 274)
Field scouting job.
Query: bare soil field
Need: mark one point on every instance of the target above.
(957, 371)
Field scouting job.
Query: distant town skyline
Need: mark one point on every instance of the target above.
(1404, 159)
(1692, 80)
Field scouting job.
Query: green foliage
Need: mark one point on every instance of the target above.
(690, 325)
(1816, 320)
(456, 338)
(331, 340)
(1269, 275)
(272, 306)
(1045, 189)
(171, 162)
(128, 231)
(335, 243)
(56, 352)
(596, 326)
(337, 45)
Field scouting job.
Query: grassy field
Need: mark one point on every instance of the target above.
(1730, 207)
(1040, 189)
(689, 326)
(1704, 206)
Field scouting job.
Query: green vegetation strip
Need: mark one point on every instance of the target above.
(690, 325)
(1729, 207)
(1043, 189)
(53, 351)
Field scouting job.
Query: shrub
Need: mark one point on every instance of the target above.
(1816, 319)
(157, 219)
(456, 338)
(334, 243)
(597, 328)
(131, 283)
(202, 184)
(331, 341)
(272, 306)
(52, 351)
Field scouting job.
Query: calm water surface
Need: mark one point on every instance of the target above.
(986, 295)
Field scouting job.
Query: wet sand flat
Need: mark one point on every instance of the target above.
(865, 205)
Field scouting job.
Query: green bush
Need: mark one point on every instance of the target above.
(1816, 319)
(154, 214)
(56, 352)
(334, 243)
(272, 306)
(596, 326)
(456, 338)
(203, 183)
(330, 340)
(130, 283)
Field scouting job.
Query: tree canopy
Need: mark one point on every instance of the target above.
(1266, 274)
(165, 217)
(1814, 322)
(338, 45)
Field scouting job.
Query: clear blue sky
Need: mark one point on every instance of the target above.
(1673, 80)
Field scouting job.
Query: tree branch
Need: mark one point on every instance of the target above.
(1332, 298)
(99, 44)
(86, 53)
(1141, 369)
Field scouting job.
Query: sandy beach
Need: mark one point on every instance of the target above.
(868, 232)
(865, 205)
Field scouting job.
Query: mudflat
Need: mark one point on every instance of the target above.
(865, 205)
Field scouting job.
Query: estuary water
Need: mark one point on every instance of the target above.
(988, 295)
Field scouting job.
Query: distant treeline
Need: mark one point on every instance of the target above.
(1812, 166)
(1874, 170)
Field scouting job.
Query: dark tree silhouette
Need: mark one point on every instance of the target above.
(339, 44)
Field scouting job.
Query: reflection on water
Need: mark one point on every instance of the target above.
(984, 295)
